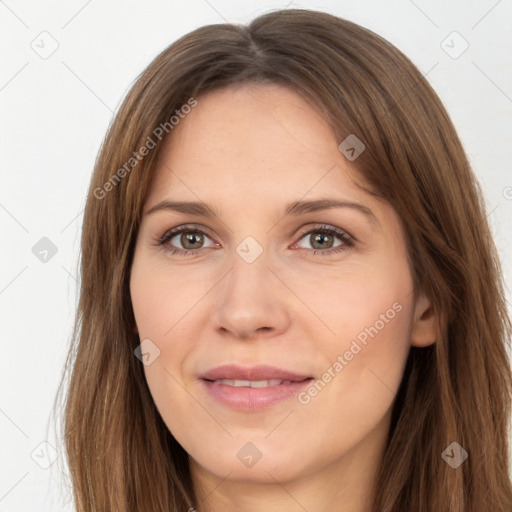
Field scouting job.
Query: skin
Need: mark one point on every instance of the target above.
(249, 150)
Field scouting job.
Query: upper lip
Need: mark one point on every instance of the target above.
(260, 372)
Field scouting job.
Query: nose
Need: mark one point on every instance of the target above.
(252, 301)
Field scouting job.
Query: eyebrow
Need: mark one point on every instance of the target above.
(293, 209)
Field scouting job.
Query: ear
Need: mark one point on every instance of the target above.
(424, 327)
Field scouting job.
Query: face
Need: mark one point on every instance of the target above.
(277, 336)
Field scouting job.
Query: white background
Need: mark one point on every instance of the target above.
(54, 114)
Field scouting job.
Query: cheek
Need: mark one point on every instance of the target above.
(160, 311)
(161, 299)
(368, 311)
(364, 302)
(367, 359)
(361, 379)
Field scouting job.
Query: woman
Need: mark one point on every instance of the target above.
(290, 296)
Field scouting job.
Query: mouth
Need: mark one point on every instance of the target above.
(254, 388)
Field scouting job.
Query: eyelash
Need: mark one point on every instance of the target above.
(348, 240)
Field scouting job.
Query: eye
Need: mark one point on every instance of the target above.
(190, 239)
(322, 239)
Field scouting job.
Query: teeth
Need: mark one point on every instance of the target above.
(252, 383)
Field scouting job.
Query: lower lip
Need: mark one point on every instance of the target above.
(253, 399)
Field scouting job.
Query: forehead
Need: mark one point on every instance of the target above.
(253, 137)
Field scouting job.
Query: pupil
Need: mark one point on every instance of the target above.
(191, 237)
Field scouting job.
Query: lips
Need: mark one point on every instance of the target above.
(252, 389)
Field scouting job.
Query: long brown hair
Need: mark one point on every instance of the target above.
(121, 455)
